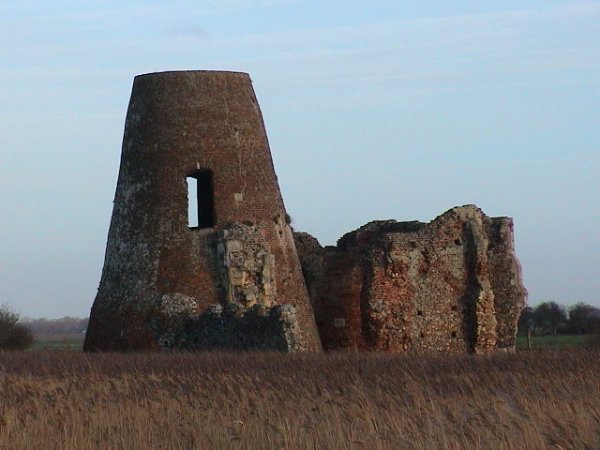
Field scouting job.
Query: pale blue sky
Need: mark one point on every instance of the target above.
(375, 110)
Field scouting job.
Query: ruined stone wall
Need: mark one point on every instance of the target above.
(157, 270)
(506, 280)
(335, 282)
(451, 285)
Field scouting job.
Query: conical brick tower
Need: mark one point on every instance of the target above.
(200, 253)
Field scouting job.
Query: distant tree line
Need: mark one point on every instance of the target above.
(553, 318)
(65, 325)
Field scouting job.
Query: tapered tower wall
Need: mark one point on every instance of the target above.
(159, 274)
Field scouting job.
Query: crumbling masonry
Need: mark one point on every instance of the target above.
(225, 273)
(453, 284)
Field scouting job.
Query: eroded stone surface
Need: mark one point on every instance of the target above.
(233, 327)
(451, 285)
(247, 266)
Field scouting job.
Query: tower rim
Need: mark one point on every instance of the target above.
(192, 72)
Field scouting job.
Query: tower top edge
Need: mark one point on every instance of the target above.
(193, 73)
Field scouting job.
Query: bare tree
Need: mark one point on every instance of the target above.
(13, 334)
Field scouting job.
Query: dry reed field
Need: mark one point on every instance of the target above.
(72, 400)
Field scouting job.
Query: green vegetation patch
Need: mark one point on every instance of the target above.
(65, 341)
(556, 341)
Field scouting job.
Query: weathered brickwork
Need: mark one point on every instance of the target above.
(164, 282)
(451, 285)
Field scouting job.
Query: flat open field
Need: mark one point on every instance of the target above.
(74, 341)
(70, 400)
(64, 341)
(558, 341)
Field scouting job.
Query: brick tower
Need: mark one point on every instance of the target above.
(200, 253)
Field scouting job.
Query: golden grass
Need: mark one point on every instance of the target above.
(70, 400)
